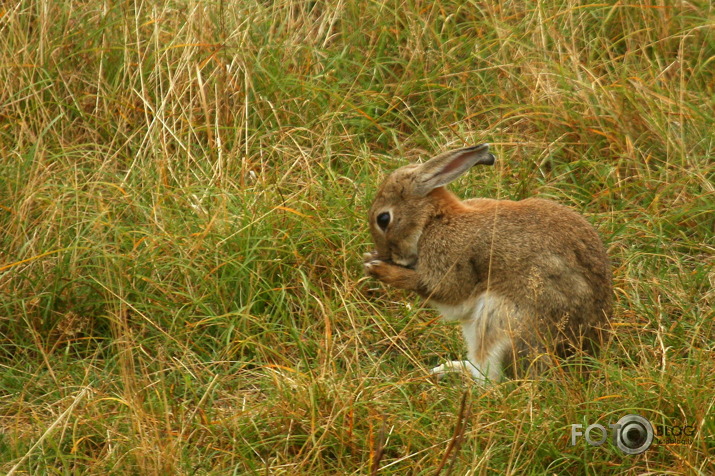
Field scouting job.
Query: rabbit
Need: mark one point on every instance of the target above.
(526, 279)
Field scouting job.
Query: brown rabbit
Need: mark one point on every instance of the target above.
(526, 279)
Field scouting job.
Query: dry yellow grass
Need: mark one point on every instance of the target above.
(183, 188)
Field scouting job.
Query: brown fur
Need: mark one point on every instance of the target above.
(540, 258)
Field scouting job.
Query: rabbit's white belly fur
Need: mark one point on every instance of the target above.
(469, 310)
(471, 314)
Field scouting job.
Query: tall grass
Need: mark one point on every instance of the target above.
(183, 190)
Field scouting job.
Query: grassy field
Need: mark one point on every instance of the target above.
(183, 191)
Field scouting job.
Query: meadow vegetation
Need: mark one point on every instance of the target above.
(183, 195)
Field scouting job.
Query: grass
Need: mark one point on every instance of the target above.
(183, 191)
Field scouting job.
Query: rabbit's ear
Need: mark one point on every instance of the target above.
(448, 166)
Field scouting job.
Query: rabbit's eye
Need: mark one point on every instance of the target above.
(383, 219)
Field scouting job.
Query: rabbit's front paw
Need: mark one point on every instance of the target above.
(367, 257)
(393, 275)
(374, 268)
